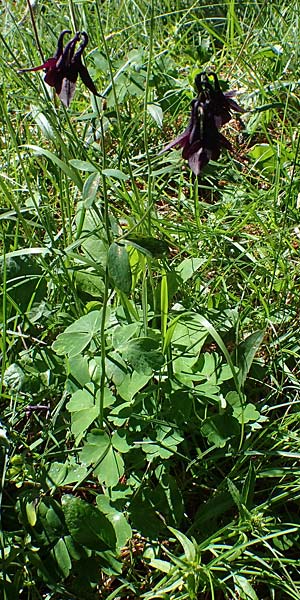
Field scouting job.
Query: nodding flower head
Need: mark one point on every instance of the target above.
(221, 102)
(202, 141)
(63, 68)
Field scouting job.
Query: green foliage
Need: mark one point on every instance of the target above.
(119, 267)
(87, 526)
(78, 336)
(149, 319)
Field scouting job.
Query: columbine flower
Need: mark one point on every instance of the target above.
(63, 68)
(202, 141)
(50, 64)
(221, 102)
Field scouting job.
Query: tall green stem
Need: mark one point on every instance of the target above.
(119, 119)
(146, 100)
(106, 281)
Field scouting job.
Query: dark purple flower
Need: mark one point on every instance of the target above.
(72, 66)
(50, 64)
(221, 103)
(63, 68)
(202, 141)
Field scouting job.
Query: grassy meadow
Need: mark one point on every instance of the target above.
(149, 423)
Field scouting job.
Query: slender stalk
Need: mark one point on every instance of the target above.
(4, 317)
(36, 35)
(103, 350)
(2, 543)
(3, 365)
(106, 279)
(284, 220)
(119, 118)
(73, 15)
(146, 100)
(196, 202)
(145, 303)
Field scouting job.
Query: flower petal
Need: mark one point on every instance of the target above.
(67, 91)
(235, 106)
(60, 41)
(54, 78)
(181, 140)
(87, 80)
(198, 160)
(48, 64)
(64, 61)
(190, 149)
(82, 70)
